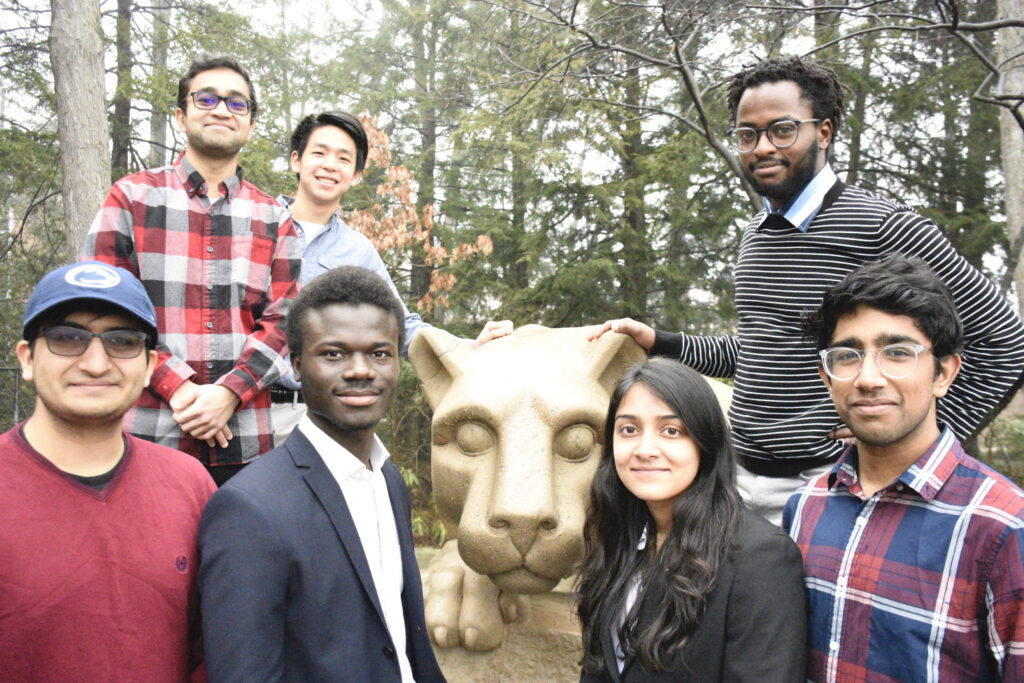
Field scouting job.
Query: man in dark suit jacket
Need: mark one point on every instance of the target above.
(307, 567)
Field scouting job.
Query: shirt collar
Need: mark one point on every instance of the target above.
(926, 475)
(802, 210)
(339, 460)
(195, 183)
(334, 223)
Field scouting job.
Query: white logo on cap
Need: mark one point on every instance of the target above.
(92, 275)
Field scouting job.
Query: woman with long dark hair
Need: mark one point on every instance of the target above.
(679, 581)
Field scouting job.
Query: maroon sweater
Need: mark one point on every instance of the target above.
(100, 585)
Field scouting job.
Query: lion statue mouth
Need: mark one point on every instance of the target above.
(544, 566)
(522, 580)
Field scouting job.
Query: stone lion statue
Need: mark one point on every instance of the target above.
(515, 441)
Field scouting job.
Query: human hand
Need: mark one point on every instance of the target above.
(842, 434)
(493, 330)
(642, 334)
(206, 417)
(184, 395)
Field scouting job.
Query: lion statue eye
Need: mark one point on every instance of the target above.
(473, 438)
(575, 442)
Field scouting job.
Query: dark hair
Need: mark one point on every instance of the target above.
(343, 285)
(339, 119)
(207, 62)
(704, 521)
(896, 284)
(819, 85)
(60, 312)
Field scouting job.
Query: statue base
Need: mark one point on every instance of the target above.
(546, 647)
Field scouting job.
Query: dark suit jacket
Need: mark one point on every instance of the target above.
(286, 590)
(755, 625)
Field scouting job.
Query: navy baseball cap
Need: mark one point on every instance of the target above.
(91, 281)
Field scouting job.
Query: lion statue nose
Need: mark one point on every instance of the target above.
(522, 529)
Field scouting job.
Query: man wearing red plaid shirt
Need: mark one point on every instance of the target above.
(220, 260)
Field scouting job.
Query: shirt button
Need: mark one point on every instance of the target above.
(833, 646)
(209, 365)
(860, 521)
(389, 652)
(841, 582)
(209, 326)
(209, 286)
(209, 249)
(899, 487)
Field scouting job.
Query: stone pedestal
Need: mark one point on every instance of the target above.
(545, 648)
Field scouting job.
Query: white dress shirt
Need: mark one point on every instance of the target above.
(366, 496)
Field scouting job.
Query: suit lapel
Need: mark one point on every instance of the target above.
(326, 490)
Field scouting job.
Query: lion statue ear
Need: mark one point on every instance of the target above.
(609, 356)
(437, 356)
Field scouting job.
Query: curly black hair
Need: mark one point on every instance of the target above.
(818, 84)
(343, 285)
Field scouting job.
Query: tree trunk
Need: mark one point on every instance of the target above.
(1011, 42)
(424, 65)
(855, 121)
(121, 123)
(636, 262)
(76, 55)
(158, 117)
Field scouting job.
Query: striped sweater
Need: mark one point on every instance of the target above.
(781, 412)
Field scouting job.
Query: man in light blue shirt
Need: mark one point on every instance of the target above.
(328, 154)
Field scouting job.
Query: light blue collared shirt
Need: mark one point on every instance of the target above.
(802, 210)
(339, 245)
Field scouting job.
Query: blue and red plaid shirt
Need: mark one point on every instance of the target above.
(221, 273)
(923, 581)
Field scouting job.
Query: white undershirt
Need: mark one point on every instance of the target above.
(308, 231)
(631, 596)
(366, 495)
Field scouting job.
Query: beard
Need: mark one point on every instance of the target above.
(215, 149)
(802, 173)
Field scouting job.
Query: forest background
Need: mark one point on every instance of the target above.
(549, 161)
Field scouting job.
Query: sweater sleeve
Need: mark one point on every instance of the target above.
(993, 354)
(710, 356)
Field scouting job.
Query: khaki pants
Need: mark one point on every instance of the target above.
(768, 495)
(284, 417)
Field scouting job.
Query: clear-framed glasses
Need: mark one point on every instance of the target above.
(895, 361)
(64, 340)
(236, 104)
(782, 134)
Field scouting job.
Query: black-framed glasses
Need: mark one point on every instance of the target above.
(64, 340)
(236, 104)
(782, 134)
(895, 361)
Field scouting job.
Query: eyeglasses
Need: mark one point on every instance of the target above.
(895, 361)
(782, 134)
(64, 340)
(236, 104)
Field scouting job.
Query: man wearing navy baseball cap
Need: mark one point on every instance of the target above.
(98, 528)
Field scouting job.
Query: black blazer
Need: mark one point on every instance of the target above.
(286, 590)
(755, 625)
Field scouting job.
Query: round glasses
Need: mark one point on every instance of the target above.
(236, 104)
(64, 340)
(782, 134)
(895, 361)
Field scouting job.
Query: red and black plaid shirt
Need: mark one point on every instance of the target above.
(221, 274)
